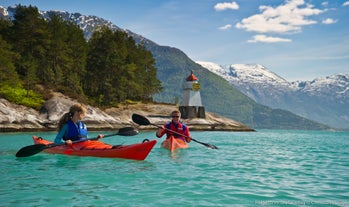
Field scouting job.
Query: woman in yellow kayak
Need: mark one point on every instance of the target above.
(70, 127)
(175, 126)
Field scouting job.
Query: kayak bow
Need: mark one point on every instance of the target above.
(172, 144)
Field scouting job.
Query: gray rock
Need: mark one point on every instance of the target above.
(15, 117)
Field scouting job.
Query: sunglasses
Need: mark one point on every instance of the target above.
(175, 116)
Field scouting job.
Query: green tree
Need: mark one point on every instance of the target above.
(31, 41)
(57, 54)
(8, 74)
(77, 51)
(118, 69)
(104, 65)
(123, 71)
(67, 54)
(10, 83)
(146, 72)
(5, 29)
(151, 84)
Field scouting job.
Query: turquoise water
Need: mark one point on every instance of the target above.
(265, 168)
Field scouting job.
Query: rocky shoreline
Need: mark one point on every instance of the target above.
(17, 118)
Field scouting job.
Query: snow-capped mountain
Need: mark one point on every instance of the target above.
(325, 100)
(246, 72)
(335, 85)
(3, 12)
(253, 80)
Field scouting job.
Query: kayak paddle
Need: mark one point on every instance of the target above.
(36, 148)
(141, 120)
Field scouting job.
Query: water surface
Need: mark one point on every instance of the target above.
(268, 167)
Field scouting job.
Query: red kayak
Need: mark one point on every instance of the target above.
(137, 151)
(173, 144)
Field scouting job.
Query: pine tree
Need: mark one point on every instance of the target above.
(77, 52)
(57, 54)
(31, 41)
(67, 54)
(96, 76)
(8, 74)
(5, 29)
(118, 69)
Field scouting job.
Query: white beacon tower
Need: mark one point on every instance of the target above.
(191, 103)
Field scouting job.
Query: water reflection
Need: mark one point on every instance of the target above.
(178, 155)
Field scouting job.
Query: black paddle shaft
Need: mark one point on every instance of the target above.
(141, 120)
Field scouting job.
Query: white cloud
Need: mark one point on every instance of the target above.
(264, 38)
(286, 18)
(329, 21)
(226, 5)
(225, 27)
(345, 3)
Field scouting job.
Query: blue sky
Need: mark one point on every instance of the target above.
(296, 39)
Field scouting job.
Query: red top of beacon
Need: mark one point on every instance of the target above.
(192, 77)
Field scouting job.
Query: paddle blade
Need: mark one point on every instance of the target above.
(205, 144)
(128, 131)
(210, 146)
(30, 150)
(139, 119)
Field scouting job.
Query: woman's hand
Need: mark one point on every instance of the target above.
(68, 142)
(160, 131)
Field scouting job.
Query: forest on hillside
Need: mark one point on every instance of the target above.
(37, 55)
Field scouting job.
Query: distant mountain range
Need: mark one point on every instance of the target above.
(325, 100)
(219, 94)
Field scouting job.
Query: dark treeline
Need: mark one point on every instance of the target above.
(107, 69)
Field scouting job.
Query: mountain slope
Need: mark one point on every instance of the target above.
(218, 95)
(323, 99)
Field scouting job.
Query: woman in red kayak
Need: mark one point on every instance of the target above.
(70, 127)
(177, 126)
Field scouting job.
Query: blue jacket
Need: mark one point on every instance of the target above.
(72, 131)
